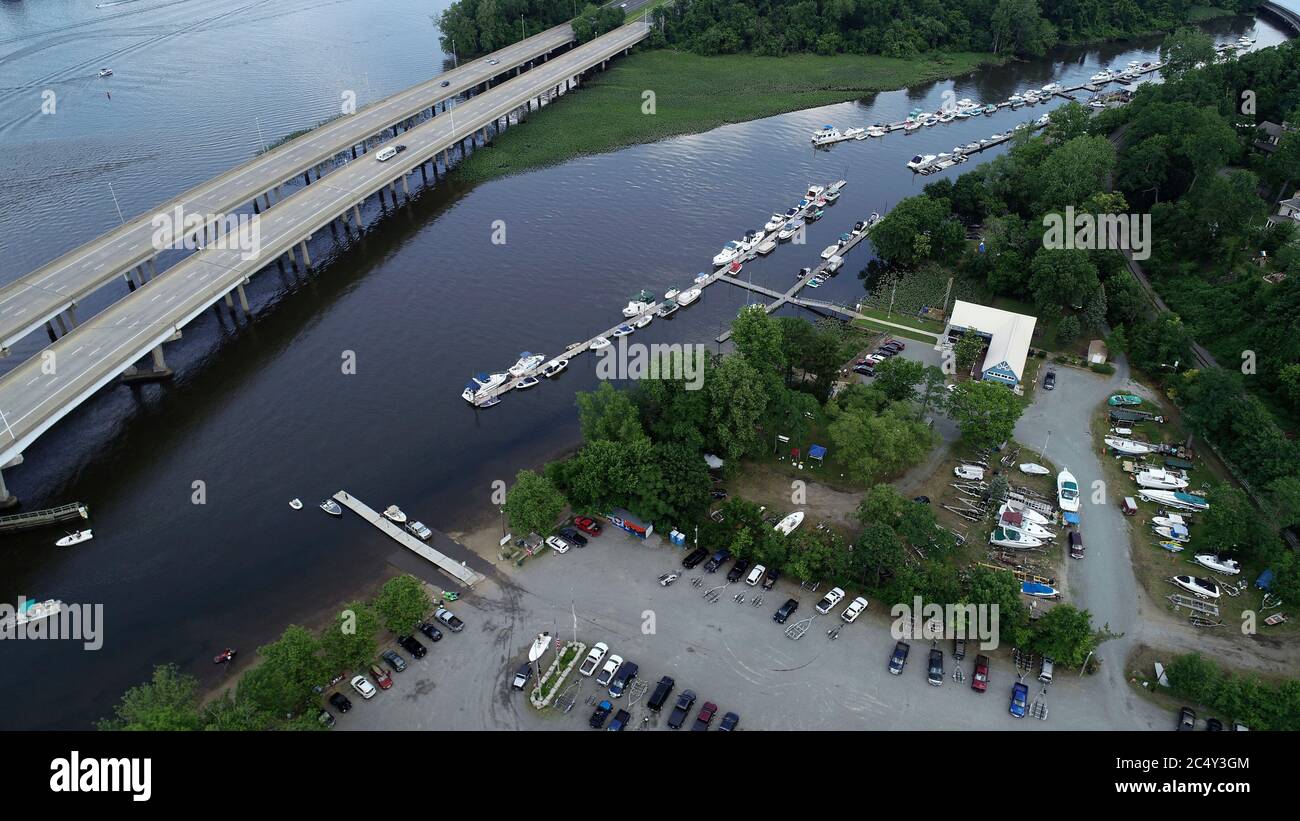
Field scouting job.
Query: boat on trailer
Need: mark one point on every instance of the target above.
(1039, 590)
(1175, 499)
(1201, 587)
(1215, 562)
(1033, 469)
(1161, 479)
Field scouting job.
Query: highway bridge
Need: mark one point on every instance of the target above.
(1280, 11)
(38, 393)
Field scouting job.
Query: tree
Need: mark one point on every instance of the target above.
(986, 412)
(1000, 589)
(1183, 50)
(1064, 634)
(402, 603)
(874, 445)
(1075, 171)
(1061, 278)
(349, 643)
(876, 554)
(969, 346)
(533, 504)
(1019, 28)
(1285, 494)
(917, 229)
(606, 413)
(898, 377)
(757, 337)
(932, 389)
(738, 403)
(291, 666)
(168, 701)
(1232, 525)
(1068, 331)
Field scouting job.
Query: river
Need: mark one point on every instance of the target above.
(260, 410)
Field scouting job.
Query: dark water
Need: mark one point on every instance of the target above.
(260, 410)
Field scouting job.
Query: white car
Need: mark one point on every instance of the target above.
(594, 657)
(386, 154)
(363, 686)
(854, 610)
(832, 599)
(557, 544)
(756, 575)
(607, 672)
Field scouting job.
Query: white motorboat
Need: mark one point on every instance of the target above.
(1161, 479)
(1103, 76)
(854, 133)
(671, 293)
(688, 297)
(787, 525)
(1051, 88)
(106, 72)
(814, 191)
(622, 330)
(946, 117)
(1169, 520)
(1176, 499)
(635, 308)
(1174, 533)
(554, 367)
(1033, 469)
(527, 362)
(75, 538)
(667, 308)
(791, 228)
(729, 252)
(296, 504)
(393, 513)
(419, 530)
(598, 343)
(919, 161)
(912, 126)
(774, 223)
(1201, 587)
(827, 136)
(1013, 520)
(873, 219)
(1067, 491)
(331, 507)
(643, 321)
(1012, 538)
(526, 382)
(1028, 513)
(767, 246)
(876, 131)
(970, 472)
(1127, 446)
(481, 383)
(1228, 567)
(830, 251)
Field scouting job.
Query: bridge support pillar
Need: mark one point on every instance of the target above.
(230, 302)
(49, 329)
(257, 208)
(424, 173)
(279, 193)
(266, 197)
(63, 328)
(243, 299)
(153, 269)
(7, 499)
(306, 178)
(157, 372)
(293, 260)
(306, 259)
(356, 215)
(354, 152)
(72, 315)
(406, 184)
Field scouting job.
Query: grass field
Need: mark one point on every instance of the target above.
(693, 94)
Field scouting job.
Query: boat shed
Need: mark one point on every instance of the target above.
(1008, 335)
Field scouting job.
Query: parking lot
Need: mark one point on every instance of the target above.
(729, 653)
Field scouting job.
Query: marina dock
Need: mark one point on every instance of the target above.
(455, 569)
(43, 518)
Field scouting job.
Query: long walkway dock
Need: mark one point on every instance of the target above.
(43, 518)
(455, 569)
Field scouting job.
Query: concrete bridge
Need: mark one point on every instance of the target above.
(41, 391)
(1282, 13)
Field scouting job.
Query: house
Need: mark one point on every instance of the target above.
(1008, 335)
(1288, 209)
(1097, 353)
(1270, 136)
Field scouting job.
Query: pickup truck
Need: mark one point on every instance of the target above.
(681, 709)
(593, 659)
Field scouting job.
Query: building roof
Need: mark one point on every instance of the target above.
(1009, 335)
(1097, 348)
(1272, 129)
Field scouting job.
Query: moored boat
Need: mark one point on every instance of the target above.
(622, 330)
(688, 297)
(76, 537)
(296, 504)
(331, 507)
(554, 367)
(393, 513)
(527, 361)
(526, 382)
(667, 307)
(598, 343)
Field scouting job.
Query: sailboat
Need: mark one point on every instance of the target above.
(75, 538)
(1128, 446)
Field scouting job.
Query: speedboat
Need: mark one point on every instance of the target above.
(1039, 590)
(296, 504)
(830, 251)
(787, 525)
(393, 513)
(1201, 587)
(814, 191)
(1103, 76)
(643, 321)
(106, 72)
(526, 382)
(854, 133)
(816, 282)
(734, 268)
(1067, 491)
(688, 297)
(814, 215)
(873, 219)
(830, 196)
(1229, 567)
(791, 228)
(1173, 533)
(792, 213)
(671, 293)
(912, 126)
(1174, 498)
(1161, 479)
(1121, 399)
(991, 108)
(598, 343)
(828, 134)
(635, 307)
(946, 117)
(859, 227)
(876, 131)
(331, 507)
(774, 223)
(1172, 547)
(1012, 538)
(1051, 88)
(1012, 520)
(667, 307)
(1169, 520)
(75, 538)
(1128, 446)
(1027, 513)
(527, 361)
(727, 254)
(767, 246)
(1033, 469)
(920, 160)
(622, 330)
(554, 367)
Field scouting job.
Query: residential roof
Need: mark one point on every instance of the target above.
(1272, 129)
(1009, 336)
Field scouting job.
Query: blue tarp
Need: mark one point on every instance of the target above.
(1071, 518)
(1265, 580)
(817, 452)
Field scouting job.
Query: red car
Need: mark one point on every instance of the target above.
(980, 681)
(705, 716)
(382, 678)
(589, 526)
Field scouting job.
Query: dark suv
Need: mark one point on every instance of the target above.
(680, 711)
(934, 673)
(412, 646)
(694, 557)
(786, 611)
(716, 560)
(899, 658)
(662, 690)
(737, 570)
(340, 702)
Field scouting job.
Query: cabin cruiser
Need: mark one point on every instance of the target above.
(331, 507)
(1229, 567)
(482, 383)
(791, 228)
(1128, 446)
(75, 538)
(598, 343)
(920, 160)
(622, 330)
(912, 126)
(774, 223)
(393, 513)
(527, 361)
(787, 525)
(1161, 479)
(827, 135)
(554, 367)
(667, 307)
(1043, 120)
(1175, 499)
(814, 191)
(1012, 538)
(1201, 587)
(1012, 520)
(1051, 88)
(876, 131)
(1028, 514)
(688, 297)
(1067, 491)
(1169, 520)
(729, 252)
(854, 133)
(1103, 76)
(635, 308)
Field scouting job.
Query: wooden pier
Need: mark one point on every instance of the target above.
(43, 518)
(455, 569)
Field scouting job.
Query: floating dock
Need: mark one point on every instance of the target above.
(453, 568)
(43, 518)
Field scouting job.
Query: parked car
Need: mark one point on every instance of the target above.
(326, 718)
(1045, 672)
(737, 570)
(1019, 699)
(899, 658)
(430, 630)
(523, 675)
(770, 577)
(854, 610)
(599, 715)
(704, 717)
(1213, 725)
(716, 560)
(382, 678)
(587, 525)
(729, 722)
(594, 657)
(831, 599)
(412, 646)
(340, 702)
(959, 649)
(1187, 719)
(896, 344)
(934, 671)
(394, 660)
(444, 84)
(668, 578)
(557, 544)
(363, 687)
(865, 370)
(1049, 381)
(1076, 544)
(980, 681)
(606, 674)
(786, 611)
(660, 696)
(572, 536)
(448, 618)
(755, 575)
(694, 557)
(625, 676)
(681, 709)
(619, 722)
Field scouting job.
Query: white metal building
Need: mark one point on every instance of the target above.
(1008, 336)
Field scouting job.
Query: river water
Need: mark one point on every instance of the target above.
(261, 411)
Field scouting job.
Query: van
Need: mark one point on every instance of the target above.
(662, 691)
(1045, 673)
(755, 575)
(1076, 545)
(386, 154)
(1129, 506)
